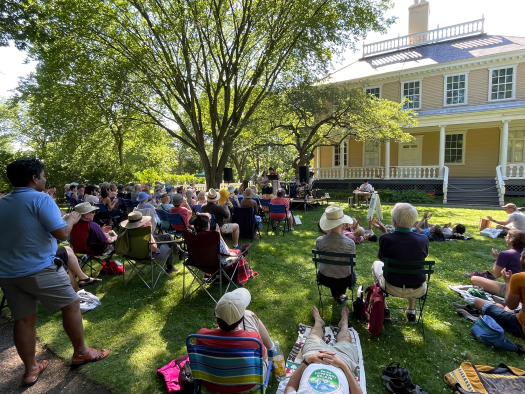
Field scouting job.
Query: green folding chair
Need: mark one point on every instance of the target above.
(427, 270)
(322, 257)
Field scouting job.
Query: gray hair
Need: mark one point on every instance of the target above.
(404, 214)
(189, 194)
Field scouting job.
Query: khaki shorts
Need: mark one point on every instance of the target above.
(345, 350)
(502, 289)
(50, 286)
(228, 228)
(401, 292)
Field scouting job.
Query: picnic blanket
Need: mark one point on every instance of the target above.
(470, 378)
(295, 358)
(463, 291)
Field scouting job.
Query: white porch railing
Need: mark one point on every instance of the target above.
(445, 184)
(202, 186)
(500, 185)
(398, 172)
(424, 38)
(515, 170)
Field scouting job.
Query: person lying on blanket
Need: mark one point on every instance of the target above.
(324, 364)
(514, 294)
(235, 321)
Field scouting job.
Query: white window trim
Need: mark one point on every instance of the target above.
(363, 157)
(514, 73)
(464, 147)
(420, 91)
(419, 140)
(445, 89)
(375, 87)
(341, 159)
(508, 144)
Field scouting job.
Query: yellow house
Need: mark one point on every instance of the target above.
(468, 89)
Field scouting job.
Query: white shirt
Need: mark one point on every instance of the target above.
(518, 220)
(323, 379)
(366, 188)
(93, 199)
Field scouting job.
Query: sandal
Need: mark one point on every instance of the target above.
(42, 365)
(88, 281)
(394, 371)
(93, 356)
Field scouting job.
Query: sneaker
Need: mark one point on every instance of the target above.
(411, 315)
(292, 229)
(471, 274)
(469, 308)
(386, 315)
(183, 256)
(487, 275)
(466, 315)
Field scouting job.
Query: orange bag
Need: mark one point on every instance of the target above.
(484, 223)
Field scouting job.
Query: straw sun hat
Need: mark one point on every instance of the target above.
(135, 220)
(332, 217)
(212, 195)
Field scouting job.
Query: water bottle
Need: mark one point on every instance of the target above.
(279, 367)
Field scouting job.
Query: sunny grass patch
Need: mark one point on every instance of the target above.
(146, 329)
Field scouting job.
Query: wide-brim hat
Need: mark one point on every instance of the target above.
(142, 196)
(85, 207)
(177, 199)
(231, 189)
(212, 195)
(135, 220)
(248, 193)
(332, 217)
(509, 205)
(232, 305)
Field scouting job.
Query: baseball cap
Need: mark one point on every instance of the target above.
(231, 306)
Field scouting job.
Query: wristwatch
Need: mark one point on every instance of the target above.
(305, 362)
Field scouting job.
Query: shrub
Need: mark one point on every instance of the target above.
(412, 196)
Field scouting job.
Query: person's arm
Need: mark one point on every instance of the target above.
(337, 362)
(380, 226)
(295, 379)
(500, 222)
(225, 210)
(512, 286)
(496, 269)
(63, 232)
(153, 244)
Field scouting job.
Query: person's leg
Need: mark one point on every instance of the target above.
(491, 286)
(290, 221)
(24, 335)
(317, 329)
(235, 234)
(411, 303)
(344, 334)
(72, 263)
(72, 323)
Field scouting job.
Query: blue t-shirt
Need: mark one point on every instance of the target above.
(27, 245)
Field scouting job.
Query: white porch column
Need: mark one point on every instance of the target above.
(387, 158)
(504, 147)
(441, 149)
(342, 160)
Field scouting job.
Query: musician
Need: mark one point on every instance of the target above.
(275, 182)
(364, 191)
(296, 179)
(262, 181)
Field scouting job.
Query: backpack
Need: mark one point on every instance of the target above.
(375, 309)
(487, 331)
(359, 304)
(113, 268)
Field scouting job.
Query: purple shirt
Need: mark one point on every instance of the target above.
(510, 260)
(97, 238)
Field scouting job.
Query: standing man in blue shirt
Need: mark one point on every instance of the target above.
(29, 269)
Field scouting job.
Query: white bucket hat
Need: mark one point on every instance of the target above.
(332, 217)
(212, 195)
(85, 207)
(231, 306)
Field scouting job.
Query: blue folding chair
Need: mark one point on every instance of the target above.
(265, 204)
(176, 219)
(226, 366)
(135, 203)
(164, 223)
(213, 223)
(106, 216)
(197, 208)
(128, 204)
(72, 203)
(277, 208)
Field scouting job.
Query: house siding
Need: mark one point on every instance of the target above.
(392, 91)
(326, 156)
(432, 92)
(355, 153)
(430, 151)
(478, 86)
(481, 156)
(520, 82)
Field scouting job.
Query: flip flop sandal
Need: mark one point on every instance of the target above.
(42, 365)
(398, 386)
(415, 389)
(88, 282)
(394, 371)
(93, 356)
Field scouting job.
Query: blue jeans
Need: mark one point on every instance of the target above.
(507, 320)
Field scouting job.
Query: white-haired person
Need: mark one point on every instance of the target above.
(402, 245)
(235, 321)
(336, 277)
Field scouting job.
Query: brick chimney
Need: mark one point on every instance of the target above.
(418, 16)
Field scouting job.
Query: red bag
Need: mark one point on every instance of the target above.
(114, 268)
(375, 309)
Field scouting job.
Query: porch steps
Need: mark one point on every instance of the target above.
(472, 191)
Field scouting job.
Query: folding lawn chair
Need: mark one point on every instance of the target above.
(245, 218)
(322, 257)
(164, 224)
(279, 209)
(78, 239)
(265, 204)
(422, 268)
(128, 204)
(105, 216)
(215, 368)
(140, 257)
(197, 208)
(3, 304)
(176, 219)
(204, 258)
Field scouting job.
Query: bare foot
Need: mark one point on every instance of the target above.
(345, 312)
(317, 316)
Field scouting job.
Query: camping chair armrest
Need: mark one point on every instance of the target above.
(165, 242)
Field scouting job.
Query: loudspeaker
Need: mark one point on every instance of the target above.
(318, 193)
(303, 174)
(228, 174)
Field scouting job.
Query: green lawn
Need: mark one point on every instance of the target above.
(146, 329)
